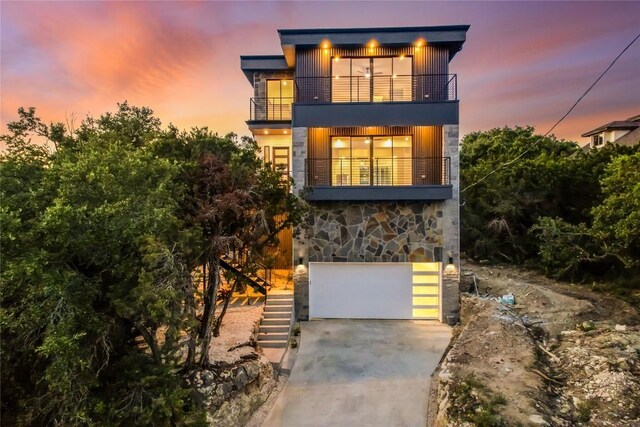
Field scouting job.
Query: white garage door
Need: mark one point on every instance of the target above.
(375, 290)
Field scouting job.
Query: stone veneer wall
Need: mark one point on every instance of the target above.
(260, 81)
(375, 232)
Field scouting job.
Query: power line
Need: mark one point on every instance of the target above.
(558, 122)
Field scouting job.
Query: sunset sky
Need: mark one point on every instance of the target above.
(524, 63)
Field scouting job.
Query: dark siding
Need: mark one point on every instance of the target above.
(315, 62)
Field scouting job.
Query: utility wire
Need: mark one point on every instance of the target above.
(557, 123)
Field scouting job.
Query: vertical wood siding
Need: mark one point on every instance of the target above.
(427, 145)
(316, 62)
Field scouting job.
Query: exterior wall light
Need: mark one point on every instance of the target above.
(450, 269)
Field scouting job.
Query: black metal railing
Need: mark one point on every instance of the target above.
(377, 88)
(377, 171)
(270, 108)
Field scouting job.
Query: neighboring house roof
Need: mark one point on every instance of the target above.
(616, 125)
(629, 139)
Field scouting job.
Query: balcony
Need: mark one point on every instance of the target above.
(270, 109)
(377, 88)
(376, 100)
(422, 178)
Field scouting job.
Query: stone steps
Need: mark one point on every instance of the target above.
(275, 327)
(276, 321)
(278, 308)
(271, 329)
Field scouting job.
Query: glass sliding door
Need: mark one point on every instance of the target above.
(371, 160)
(371, 79)
(279, 99)
(382, 76)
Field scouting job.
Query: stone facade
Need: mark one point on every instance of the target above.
(260, 81)
(375, 232)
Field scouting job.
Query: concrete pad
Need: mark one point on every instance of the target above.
(361, 373)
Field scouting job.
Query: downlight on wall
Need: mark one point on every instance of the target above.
(450, 269)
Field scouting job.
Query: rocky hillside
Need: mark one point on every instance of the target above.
(560, 356)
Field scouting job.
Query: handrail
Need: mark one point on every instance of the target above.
(377, 171)
(270, 108)
(376, 88)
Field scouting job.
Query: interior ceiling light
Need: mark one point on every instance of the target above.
(266, 132)
(366, 141)
(284, 82)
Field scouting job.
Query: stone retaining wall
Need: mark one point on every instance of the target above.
(232, 392)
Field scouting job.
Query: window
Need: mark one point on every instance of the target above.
(597, 140)
(279, 99)
(369, 79)
(371, 160)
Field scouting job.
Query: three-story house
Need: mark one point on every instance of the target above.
(366, 122)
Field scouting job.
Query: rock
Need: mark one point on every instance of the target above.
(207, 378)
(621, 328)
(224, 389)
(241, 379)
(252, 370)
(537, 419)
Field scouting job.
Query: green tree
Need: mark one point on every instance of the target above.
(100, 239)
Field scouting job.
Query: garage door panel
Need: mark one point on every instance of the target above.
(374, 290)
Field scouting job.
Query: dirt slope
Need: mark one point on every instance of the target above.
(555, 358)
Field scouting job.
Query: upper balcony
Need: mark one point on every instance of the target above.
(376, 100)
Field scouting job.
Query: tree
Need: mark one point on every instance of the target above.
(100, 240)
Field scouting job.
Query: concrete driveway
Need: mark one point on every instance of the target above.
(361, 373)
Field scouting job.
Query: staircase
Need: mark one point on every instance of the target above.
(275, 327)
(257, 283)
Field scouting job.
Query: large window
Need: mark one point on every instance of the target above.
(371, 79)
(371, 160)
(279, 99)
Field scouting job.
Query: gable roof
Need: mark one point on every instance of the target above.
(616, 125)
(630, 139)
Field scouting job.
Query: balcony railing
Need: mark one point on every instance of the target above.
(377, 88)
(378, 171)
(270, 108)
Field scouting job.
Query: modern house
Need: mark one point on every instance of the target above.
(622, 132)
(366, 122)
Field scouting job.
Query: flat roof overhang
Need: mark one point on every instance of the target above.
(251, 63)
(452, 36)
(276, 126)
(376, 114)
(379, 193)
